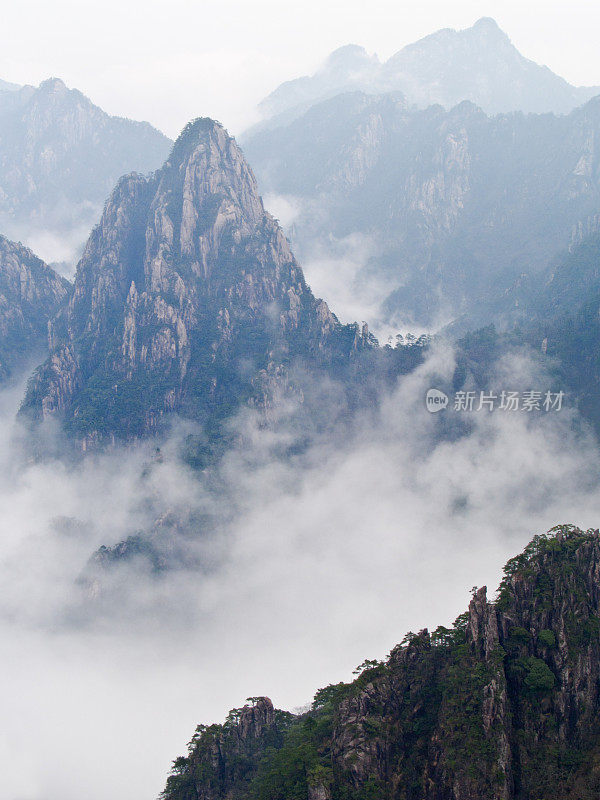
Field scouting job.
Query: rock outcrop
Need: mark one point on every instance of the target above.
(187, 299)
(31, 293)
(502, 706)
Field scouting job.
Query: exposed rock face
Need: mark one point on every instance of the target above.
(60, 156)
(187, 299)
(455, 205)
(503, 706)
(479, 64)
(31, 293)
(230, 751)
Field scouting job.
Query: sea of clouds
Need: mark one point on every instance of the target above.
(316, 558)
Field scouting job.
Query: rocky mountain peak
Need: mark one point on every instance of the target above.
(60, 156)
(208, 172)
(53, 86)
(256, 718)
(187, 298)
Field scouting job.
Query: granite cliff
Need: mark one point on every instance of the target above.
(31, 294)
(187, 299)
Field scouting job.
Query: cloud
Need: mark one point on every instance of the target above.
(318, 556)
(333, 266)
(341, 269)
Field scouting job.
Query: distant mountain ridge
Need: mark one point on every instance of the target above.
(6, 86)
(60, 156)
(479, 64)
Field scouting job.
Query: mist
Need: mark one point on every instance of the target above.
(380, 526)
(58, 242)
(337, 269)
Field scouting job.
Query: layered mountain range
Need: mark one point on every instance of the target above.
(479, 64)
(455, 206)
(188, 303)
(503, 705)
(187, 299)
(60, 156)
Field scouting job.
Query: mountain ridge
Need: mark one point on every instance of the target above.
(455, 205)
(60, 155)
(502, 705)
(478, 63)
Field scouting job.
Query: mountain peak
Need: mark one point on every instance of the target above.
(60, 157)
(54, 85)
(198, 132)
(201, 126)
(487, 24)
(188, 282)
(479, 63)
(488, 29)
(210, 164)
(349, 56)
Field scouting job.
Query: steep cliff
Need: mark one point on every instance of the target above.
(502, 706)
(187, 299)
(31, 293)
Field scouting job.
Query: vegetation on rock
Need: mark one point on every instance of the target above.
(502, 705)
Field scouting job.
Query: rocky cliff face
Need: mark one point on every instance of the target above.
(60, 156)
(187, 299)
(504, 705)
(455, 205)
(229, 752)
(31, 293)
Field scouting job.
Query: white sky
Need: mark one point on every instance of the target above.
(169, 62)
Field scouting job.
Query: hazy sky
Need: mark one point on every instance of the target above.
(170, 61)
